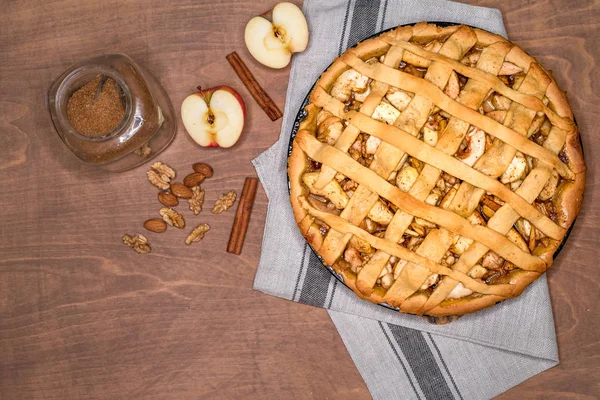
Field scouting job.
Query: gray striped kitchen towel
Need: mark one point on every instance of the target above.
(399, 356)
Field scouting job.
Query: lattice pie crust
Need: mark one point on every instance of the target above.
(437, 169)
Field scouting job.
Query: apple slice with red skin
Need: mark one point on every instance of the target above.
(214, 117)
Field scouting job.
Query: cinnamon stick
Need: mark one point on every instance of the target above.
(242, 217)
(261, 97)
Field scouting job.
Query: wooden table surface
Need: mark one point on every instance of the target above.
(83, 316)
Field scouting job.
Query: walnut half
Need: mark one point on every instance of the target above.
(197, 234)
(224, 203)
(139, 243)
(172, 217)
(163, 169)
(197, 200)
(160, 175)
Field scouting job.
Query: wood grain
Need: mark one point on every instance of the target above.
(83, 316)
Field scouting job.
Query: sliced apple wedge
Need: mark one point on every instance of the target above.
(271, 41)
(214, 117)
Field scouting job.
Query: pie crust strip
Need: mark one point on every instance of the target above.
(326, 154)
(411, 83)
(344, 227)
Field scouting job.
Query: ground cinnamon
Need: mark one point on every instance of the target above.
(96, 108)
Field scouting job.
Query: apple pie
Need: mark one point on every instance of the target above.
(437, 169)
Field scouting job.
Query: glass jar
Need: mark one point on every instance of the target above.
(147, 128)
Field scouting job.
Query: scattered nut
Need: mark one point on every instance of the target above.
(160, 175)
(197, 200)
(197, 234)
(157, 180)
(203, 169)
(181, 191)
(194, 179)
(224, 203)
(139, 243)
(163, 169)
(168, 199)
(155, 225)
(172, 217)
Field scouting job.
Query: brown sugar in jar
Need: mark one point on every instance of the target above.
(111, 113)
(96, 109)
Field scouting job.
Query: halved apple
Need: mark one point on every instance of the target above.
(271, 38)
(214, 117)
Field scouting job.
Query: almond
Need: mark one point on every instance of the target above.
(168, 199)
(156, 225)
(194, 179)
(203, 169)
(181, 191)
